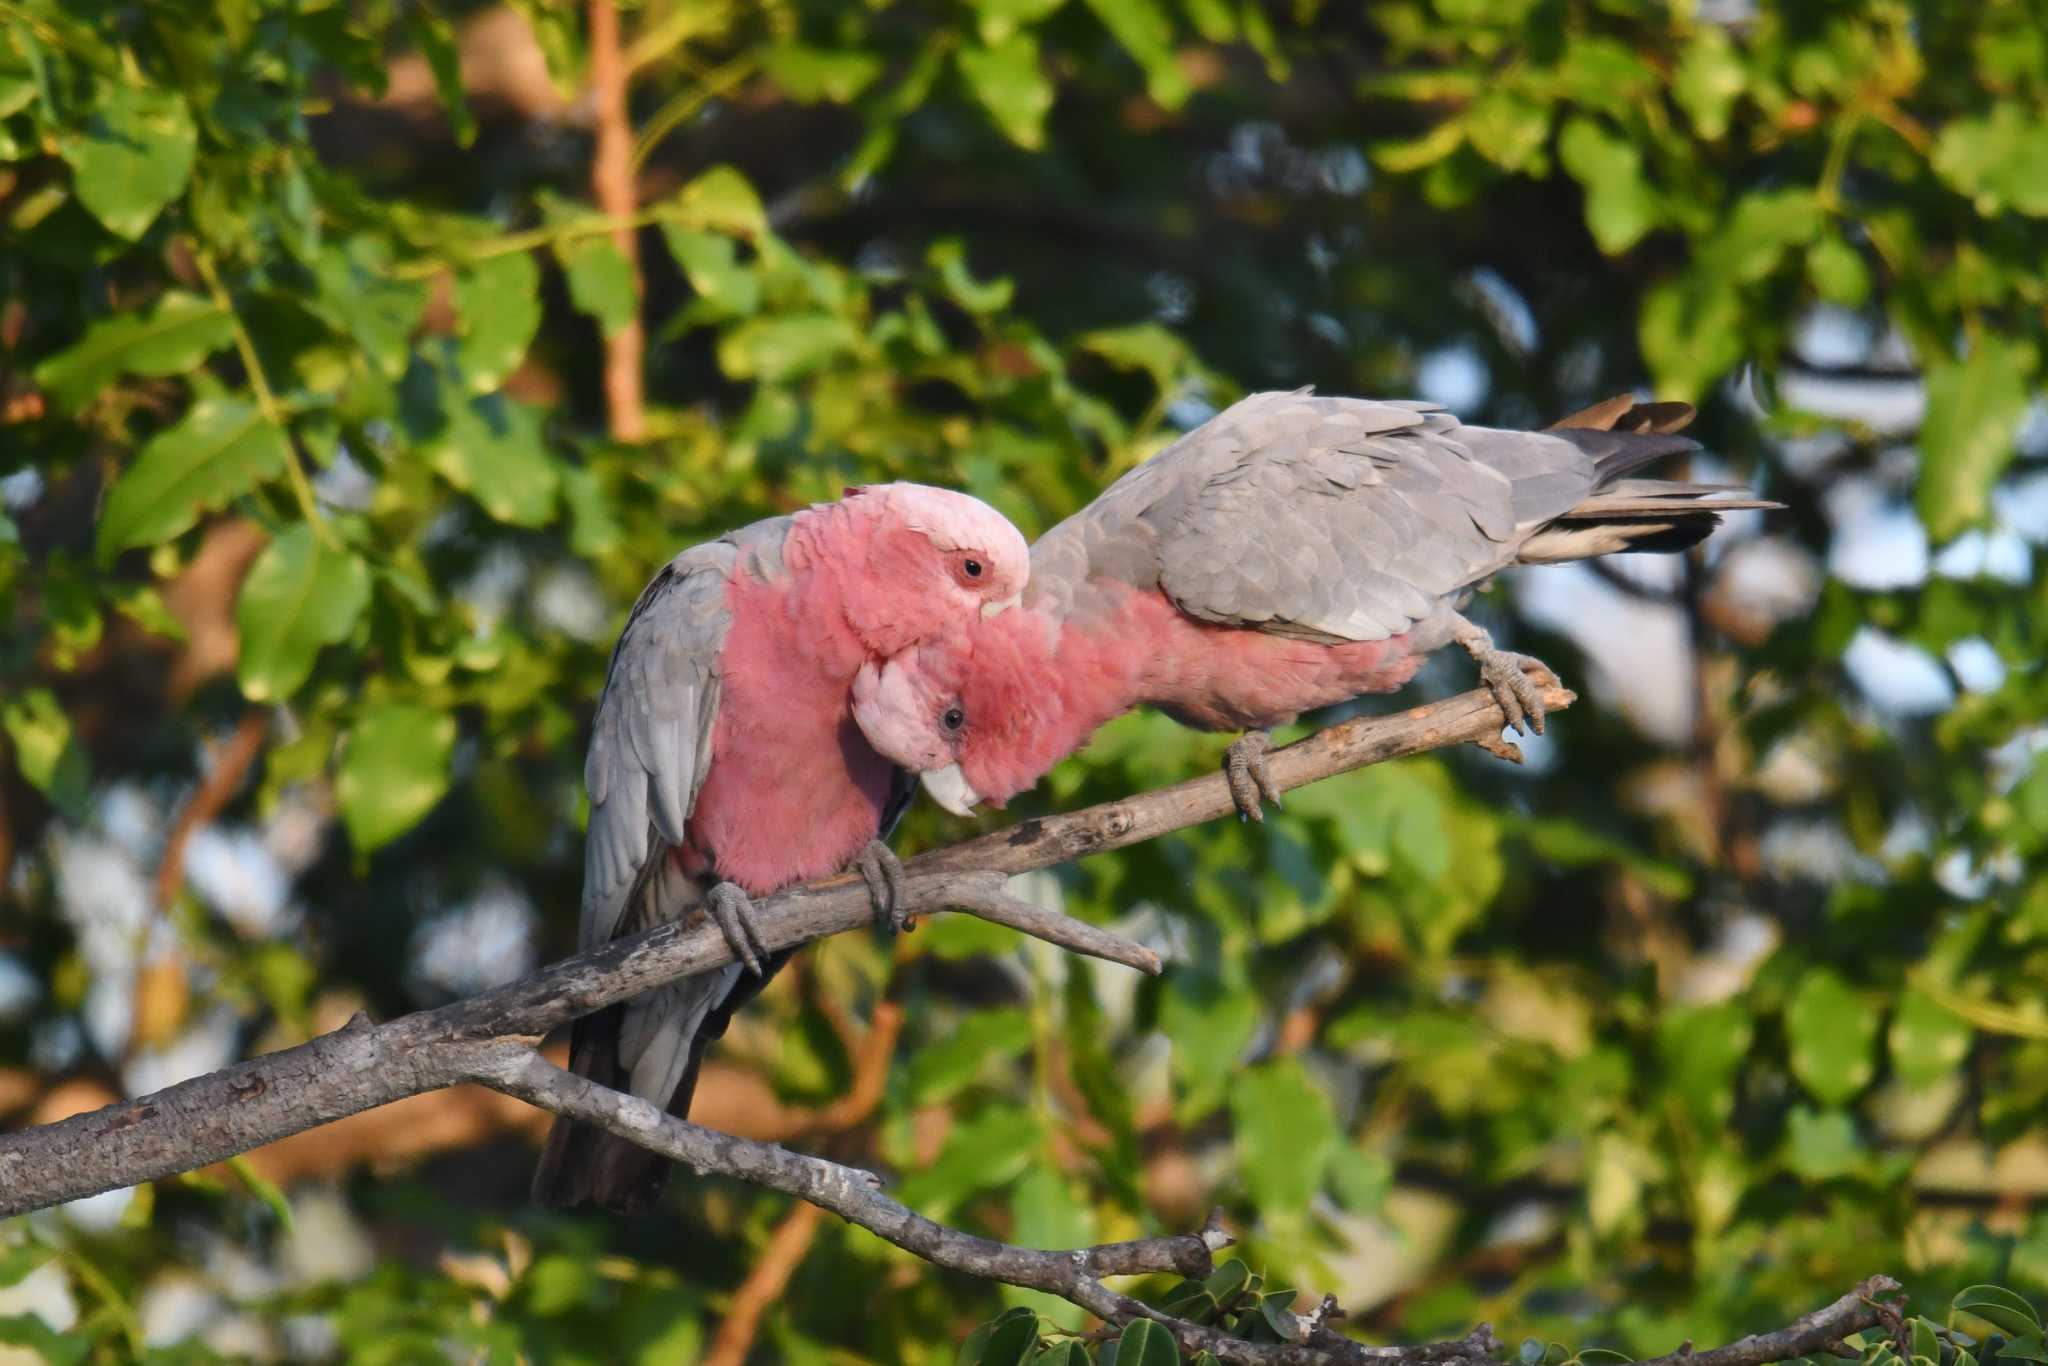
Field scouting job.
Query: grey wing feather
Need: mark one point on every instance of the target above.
(1331, 518)
(650, 746)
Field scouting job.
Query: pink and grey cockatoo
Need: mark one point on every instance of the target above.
(724, 762)
(1293, 552)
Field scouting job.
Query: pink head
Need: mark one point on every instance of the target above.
(971, 710)
(925, 558)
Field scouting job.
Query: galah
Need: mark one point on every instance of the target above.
(1293, 552)
(724, 763)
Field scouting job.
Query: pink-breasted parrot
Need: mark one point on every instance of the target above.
(1293, 552)
(724, 762)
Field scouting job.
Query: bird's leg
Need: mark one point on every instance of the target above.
(883, 872)
(733, 913)
(1251, 784)
(1506, 676)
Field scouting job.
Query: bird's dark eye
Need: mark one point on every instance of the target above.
(954, 718)
(973, 568)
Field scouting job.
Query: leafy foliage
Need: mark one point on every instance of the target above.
(1730, 1000)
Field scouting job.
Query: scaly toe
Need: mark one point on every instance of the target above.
(883, 872)
(734, 915)
(1251, 785)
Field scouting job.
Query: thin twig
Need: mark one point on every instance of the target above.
(1855, 1311)
(611, 180)
(764, 1285)
(267, 402)
(230, 765)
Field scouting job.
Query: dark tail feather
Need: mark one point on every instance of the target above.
(582, 1163)
(1616, 455)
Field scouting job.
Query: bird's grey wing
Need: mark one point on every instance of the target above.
(650, 746)
(1347, 519)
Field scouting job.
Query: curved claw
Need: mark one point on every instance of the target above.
(883, 872)
(733, 913)
(1251, 782)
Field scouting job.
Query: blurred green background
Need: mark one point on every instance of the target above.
(318, 523)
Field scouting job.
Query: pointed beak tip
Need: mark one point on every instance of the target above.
(996, 609)
(949, 788)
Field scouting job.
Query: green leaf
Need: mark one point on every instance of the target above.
(2000, 160)
(1700, 1048)
(436, 39)
(810, 74)
(2025, 1346)
(1145, 1343)
(1926, 1343)
(939, 1069)
(1362, 1179)
(1833, 1034)
(998, 19)
(1999, 1307)
(1838, 272)
(1007, 1340)
(778, 350)
(499, 302)
(493, 451)
(1508, 130)
(1928, 1041)
(600, 281)
(1601, 1356)
(299, 595)
(1067, 1353)
(393, 771)
(1974, 409)
(1210, 1024)
(45, 751)
(720, 200)
(1710, 77)
(1620, 204)
(1008, 80)
(1285, 1132)
(1145, 30)
(1822, 1145)
(358, 295)
(711, 262)
(949, 257)
(132, 157)
(220, 449)
(171, 336)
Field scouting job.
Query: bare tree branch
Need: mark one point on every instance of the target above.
(362, 1065)
(489, 1039)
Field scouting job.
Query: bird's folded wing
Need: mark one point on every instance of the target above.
(1348, 519)
(650, 745)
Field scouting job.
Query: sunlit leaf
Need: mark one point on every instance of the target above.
(394, 768)
(219, 450)
(300, 594)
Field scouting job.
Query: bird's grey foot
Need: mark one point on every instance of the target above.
(1251, 783)
(734, 915)
(1507, 676)
(883, 872)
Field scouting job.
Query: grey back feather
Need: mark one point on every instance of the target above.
(1329, 518)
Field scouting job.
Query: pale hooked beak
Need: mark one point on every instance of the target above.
(996, 609)
(949, 789)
